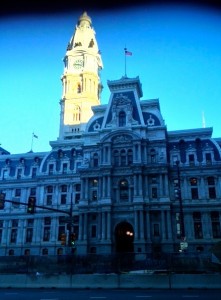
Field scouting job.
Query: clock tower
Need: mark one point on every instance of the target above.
(80, 79)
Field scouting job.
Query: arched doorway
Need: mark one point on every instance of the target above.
(124, 237)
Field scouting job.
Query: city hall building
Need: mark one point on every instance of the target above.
(115, 176)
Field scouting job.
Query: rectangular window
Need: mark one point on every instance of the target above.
(194, 193)
(46, 236)
(33, 192)
(93, 231)
(34, 172)
(208, 159)
(17, 192)
(51, 169)
(19, 173)
(212, 193)
(77, 198)
(191, 160)
(156, 230)
(63, 198)
(77, 187)
(64, 168)
(94, 195)
(154, 192)
(198, 230)
(29, 235)
(49, 200)
(13, 236)
(216, 230)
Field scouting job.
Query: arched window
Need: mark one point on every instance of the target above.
(130, 156)
(122, 119)
(11, 252)
(76, 113)
(27, 252)
(123, 157)
(124, 190)
(79, 88)
(116, 158)
(45, 251)
(59, 251)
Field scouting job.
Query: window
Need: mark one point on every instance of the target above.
(211, 187)
(191, 159)
(34, 172)
(13, 237)
(152, 156)
(19, 173)
(216, 231)
(11, 252)
(93, 231)
(124, 190)
(122, 119)
(116, 158)
(63, 194)
(123, 157)
(29, 235)
(95, 160)
(130, 156)
(17, 192)
(33, 192)
(94, 195)
(154, 192)
(77, 193)
(49, 194)
(64, 168)
(156, 230)
(45, 251)
(51, 169)
(208, 159)
(194, 188)
(198, 232)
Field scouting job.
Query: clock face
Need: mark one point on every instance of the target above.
(78, 64)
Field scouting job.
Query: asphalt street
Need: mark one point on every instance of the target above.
(106, 294)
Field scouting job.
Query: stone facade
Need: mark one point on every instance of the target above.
(129, 184)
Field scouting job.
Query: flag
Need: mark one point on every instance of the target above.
(127, 52)
(35, 136)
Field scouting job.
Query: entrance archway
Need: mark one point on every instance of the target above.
(124, 237)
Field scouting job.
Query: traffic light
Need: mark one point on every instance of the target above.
(31, 205)
(63, 239)
(72, 239)
(2, 200)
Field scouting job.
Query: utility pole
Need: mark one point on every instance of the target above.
(182, 225)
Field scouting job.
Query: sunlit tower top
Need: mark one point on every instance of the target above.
(80, 79)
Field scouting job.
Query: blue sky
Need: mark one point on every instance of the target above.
(176, 53)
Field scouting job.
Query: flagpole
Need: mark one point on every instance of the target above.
(125, 62)
(32, 141)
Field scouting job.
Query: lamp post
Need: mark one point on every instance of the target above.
(182, 226)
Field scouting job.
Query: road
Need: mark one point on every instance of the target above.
(99, 294)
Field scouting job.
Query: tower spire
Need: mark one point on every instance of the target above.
(80, 79)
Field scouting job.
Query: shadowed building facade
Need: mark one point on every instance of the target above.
(131, 185)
